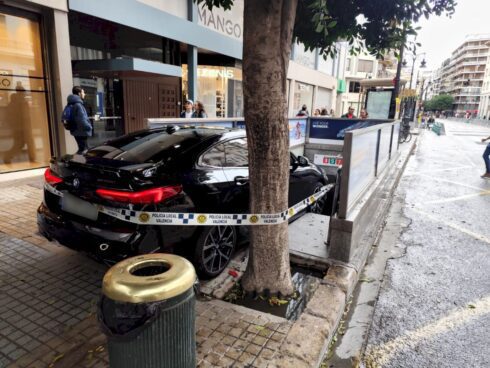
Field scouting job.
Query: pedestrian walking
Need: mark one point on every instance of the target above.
(350, 114)
(430, 122)
(316, 112)
(303, 111)
(80, 127)
(486, 158)
(324, 112)
(188, 109)
(199, 112)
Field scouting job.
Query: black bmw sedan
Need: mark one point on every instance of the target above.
(188, 170)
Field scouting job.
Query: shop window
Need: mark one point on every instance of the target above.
(219, 89)
(365, 66)
(24, 142)
(303, 57)
(93, 38)
(303, 95)
(354, 87)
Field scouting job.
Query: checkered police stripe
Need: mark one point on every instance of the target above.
(204, 219)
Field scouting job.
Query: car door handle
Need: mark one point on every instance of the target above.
(241, 180)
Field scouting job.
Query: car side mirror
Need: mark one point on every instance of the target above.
(303, 161)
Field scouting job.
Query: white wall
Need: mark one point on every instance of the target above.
(54, 4)
(177, 8)
(226, 22)
(302, 74)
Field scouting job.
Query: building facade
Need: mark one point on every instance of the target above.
(484, 107)
(433, 85)
(136, 59)
(462, 75)
(357, 68)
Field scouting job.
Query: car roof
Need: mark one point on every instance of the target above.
(203, 132)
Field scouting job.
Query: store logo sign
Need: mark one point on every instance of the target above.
(220, 22)
(215, 73)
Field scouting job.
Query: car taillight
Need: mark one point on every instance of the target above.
(149, 196)
(51, 178)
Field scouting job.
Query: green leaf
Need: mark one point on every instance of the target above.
(332, 24)
(471, 306)
(319, 27)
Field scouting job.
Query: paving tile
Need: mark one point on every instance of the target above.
(50, 291)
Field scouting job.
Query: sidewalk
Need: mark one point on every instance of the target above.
(49, 294)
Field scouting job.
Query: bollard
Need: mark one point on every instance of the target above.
(147, 312)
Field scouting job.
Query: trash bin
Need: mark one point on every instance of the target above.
(147, 312)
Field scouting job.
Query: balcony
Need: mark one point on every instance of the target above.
(474, 63)
(467, 95)
(466, 103)
(463, 56)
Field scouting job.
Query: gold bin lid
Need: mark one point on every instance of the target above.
(148, 278)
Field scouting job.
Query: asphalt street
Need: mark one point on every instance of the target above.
(434, 303)
(430, 306)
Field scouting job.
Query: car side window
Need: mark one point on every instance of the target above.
(236, 153)
(215, 156)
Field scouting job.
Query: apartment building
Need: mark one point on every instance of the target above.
(463, 73)
(433, 87)
(484, 107)
(426, 81)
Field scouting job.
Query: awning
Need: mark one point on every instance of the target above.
(132, 66)
(380, 82)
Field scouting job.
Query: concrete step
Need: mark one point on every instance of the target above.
(308, 241)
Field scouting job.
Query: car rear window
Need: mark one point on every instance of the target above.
(148, 146)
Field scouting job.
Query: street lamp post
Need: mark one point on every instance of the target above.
(409, 105)
(396, 81)
(414, 59)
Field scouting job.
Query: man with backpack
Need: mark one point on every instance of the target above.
(75, 119)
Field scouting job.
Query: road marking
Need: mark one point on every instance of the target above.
(454, 199)
(450, 182)
(454, 226)
(381, 355)
(446, 169)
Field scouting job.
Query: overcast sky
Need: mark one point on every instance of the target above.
(440, 36)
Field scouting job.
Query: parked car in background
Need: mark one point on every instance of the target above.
(171, 169)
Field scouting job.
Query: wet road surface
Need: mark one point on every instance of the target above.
(433, 309)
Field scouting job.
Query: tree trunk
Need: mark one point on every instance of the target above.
(267, 39)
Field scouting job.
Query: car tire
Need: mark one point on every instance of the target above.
(214, 249)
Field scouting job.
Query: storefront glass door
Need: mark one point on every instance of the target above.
(24, 129)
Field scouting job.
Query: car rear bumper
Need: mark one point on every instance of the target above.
(105, 244)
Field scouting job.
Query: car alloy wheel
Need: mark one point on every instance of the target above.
(216, 249)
